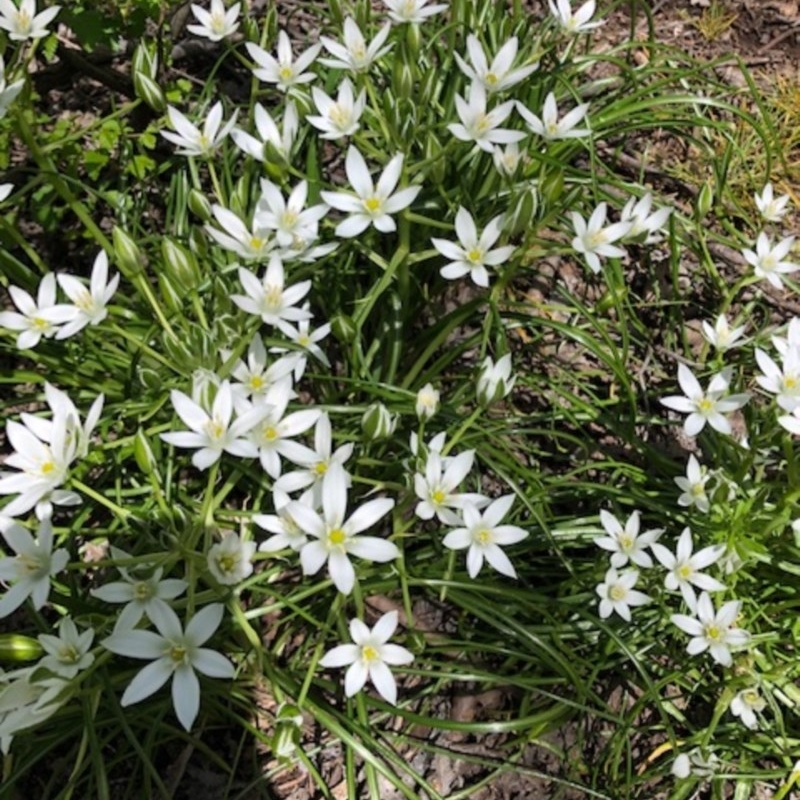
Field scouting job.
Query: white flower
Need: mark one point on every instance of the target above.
(336, 538)
(269, 298)
(211, 434)
(141, 595)
(273, 434)
(713, 630)
(550, 126)
(315, 463)
(792, 338)
(31, 568)
(473, 253)
(693, 486)
(304, 338)
(627, 543)
(90, 303)
(68, 653)
(771, 208)
(281, 140)
(436, 489)
(24, 23)
(495, 380)
(338, 118)
(783, 381)
(401, 11)
(5, 188)
(479, 125)
(427, 403)
(618, 595)
(38, 318)
(230, 560)
(498, 75)
(721, 335)
(768, 260)
(578, 22)
(255, 378)
(594, 238)
(485, 536)
(190, 139)
(217, 23)
(370, 657)
(235, 236)
(355, 54)
(175, 654)
(685, 568)
(372, 204)
(284, 71)
(645, 224)
(746, 704)
(507, 160)
(288, 218)
(708, 406)
(287, 533)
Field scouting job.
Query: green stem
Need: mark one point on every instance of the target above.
(121, 512)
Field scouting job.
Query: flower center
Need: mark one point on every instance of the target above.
(218, 24)
(203, 141)
(373, 205)
(270, 433)
(215, 429)
(142, 591)
(483, 537)
(320, 468)
(285, 73)
(273, 296)
(626, 542)
(370, 653)
(705, 405)
(475, 256)
(438, 497)
(769, 262)
(256, 243)
(84, 301)
(256, 382)
(304, 340)
(47, 467)
(227, 564)
(714, 633)
(482, 124)
(617, 592)
(339, 116)
(697, 490)
(23, 22)
(336, 537)
(178, 653)
(597, 238)
(69, 654)
(30, 564)
(289, 218)
(685, 572)
(40, 324)
(491, 79)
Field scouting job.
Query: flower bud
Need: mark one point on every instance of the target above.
(181, 264)
(495, 380)
(288, 726)
(169, 294)
(705, 200)
(427, 402)
(520, 219)
(402, 79)
(143, 453)
(150, 92)
(199, 205)
(551, 184)
(126, 253)
(16, 647)
(343, 328)
(378, 422)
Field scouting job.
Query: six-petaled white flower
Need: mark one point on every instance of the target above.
(768, 260)
(627, 543)
(617, 594)
(372, 204)
(771, 208)
(721, 335)
(286, 532)
(68, 653)
(402, 11)
(473, 253)
(191, 140)
(90, 303)
(230, 560)
(175, 653)
(498, 75)
(495, 380)
(369, 657)
(334, 539)
(24, 23)
(31, 568)
(574, 22)
(338, 118)
(216, 23)
(479, 125)
(705, 406)
(281, 139)
(713, 630)
(685, 567)
(594, 238)
(436, 489)
(285, 71)
(549, 126)
(782, 381)
(289, 218)
(354, 54)
(485, 536)
(693, 486)
(746, 705)
(646, 224)
(269, 298)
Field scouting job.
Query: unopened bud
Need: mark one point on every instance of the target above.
(402, 80)
(169, 294)
(126, 253)
(199, 205)
(551, 184)
(143, 453)
(520, 219)
(427, 402)
(150, 92)
(378, 422)
(16, 647)
(495, 380)
(705, 200)
(343, 328)
(181, 263)
(288, 727)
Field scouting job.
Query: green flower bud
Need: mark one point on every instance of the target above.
(524, 212)
(378, 423)
(198, 242)
(343, 328)
(705, 200)
(143, 453)
(126, 253)
(172, 299)
(181, 263)
(150, 92)
(402, 79)
(551, 184)
(288, 727)
(16, 647)
(199, 205)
